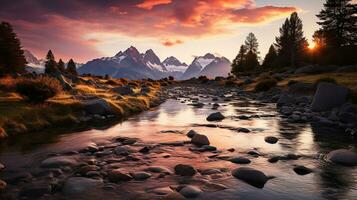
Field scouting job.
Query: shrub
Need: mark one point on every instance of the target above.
(265, 85)
(38, 90)
(171, 78)
(203, 79)
(325, 79)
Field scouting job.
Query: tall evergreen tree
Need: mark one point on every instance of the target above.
(291, 44)
(251, 58)
(51, 65)
(61, 66)
(251, 43)
(12, 59)
(71, 67)
(338, 20)
(238, 62)
(270, 59)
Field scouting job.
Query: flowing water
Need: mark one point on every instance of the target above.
(168, 123)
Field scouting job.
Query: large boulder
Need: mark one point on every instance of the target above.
(200, 140)
(328, 96)
(124, 90)
(76, 185)
(98, 106)
(251, 176)
(217, 116)
(190, 191)
(343, 157)
(185, 170)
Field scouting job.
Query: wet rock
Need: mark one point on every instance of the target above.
(200, 140)
(121, 150)
(76, 185)
(129, 141)
(36, 190)
(191, 133)
(328, 96)
(214, 186)
(87, 168)
(231, 149)
(251, 176)
(215, 117)
(98, 106)
(239, 160)
(343, 157)
(158, 169)
(271, 139)
(244, 130)
(144, 150)
(210, 171)
(118, 175)
(185, 170)
(173, 196)
(162, 191)
(253, 153)
(59, 161)
(302, 170)
(289, 156)
(2, 185)
(124, 90)
(209, 148)
(274, 159)
(141, 175)
(190, 191)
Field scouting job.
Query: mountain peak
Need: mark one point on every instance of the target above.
(209, 56)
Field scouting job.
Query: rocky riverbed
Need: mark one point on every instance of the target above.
(203, 142)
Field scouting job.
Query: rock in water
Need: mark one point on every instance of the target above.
(200, 140)
(343, 157)
(215, 117)
(98, 106)
(118, 175)
(141, 175)
(190, 191)
(185, 170)
(239, 160)
(191, 133)
(271, 139)
(59, 161)
(328, 96)
(302, 170)
(77, 185)
(251, 176)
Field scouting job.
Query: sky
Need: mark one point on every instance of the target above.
(88, 29)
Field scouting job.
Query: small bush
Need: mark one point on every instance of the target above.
(325, 79)
(203, 79)
(171, 78)
(38, 90)
(266, 84)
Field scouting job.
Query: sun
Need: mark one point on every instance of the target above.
(312, 45)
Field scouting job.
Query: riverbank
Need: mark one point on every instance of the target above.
(90, 100)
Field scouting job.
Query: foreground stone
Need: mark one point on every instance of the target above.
(191, 133)
(119, 175)
(239, 160)
(251, 176)
(2, 185)
(77, 185)
(302, 170)
(2, 166)
(158, 169)
(200, 140)
(98, 106)
(215, 117)
(190, 191)
(343, 157)
(124, 90)
(271, 139)
(328, 96)
(141, 175)
(59, 161)
(185, 170)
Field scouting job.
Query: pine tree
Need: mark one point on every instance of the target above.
(251, 61)
(291, 44)
(12, 59)
(251, 43)
(270, 59)
(238, 62)
(51, 65)
(61, 66)
(338, 20)
(71, 67)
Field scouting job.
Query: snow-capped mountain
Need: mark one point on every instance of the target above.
(208, 65)
(172, 64)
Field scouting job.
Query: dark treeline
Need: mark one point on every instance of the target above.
(335, 42)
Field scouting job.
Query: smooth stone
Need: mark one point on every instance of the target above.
(302, 170)
(271, 139)
(217, 116)
(274, 159)
(124, 90)
(120, 150)
(244, 130)
(185, 170)
(98, 107)
(190, 191)
(144, 150)
(200, 140)
(118, 175)
(158, 169)
(343, 157)
(251, 176)
(210, 171)
(162, 191)
(328, 96)
(173, 196)
(59, 161)
(253, 153)
(141, 175)
(129, 141)
(240, 160)
(191, 133)
(75, 185)
(209, 148)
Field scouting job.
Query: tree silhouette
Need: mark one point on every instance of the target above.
(270, 59)
(71, 67)
(61, 66)
(238, 62)
(51, 65)
(12, 59)
(251, 43)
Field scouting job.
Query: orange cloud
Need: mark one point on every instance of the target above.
(149, 4)
(169, 43)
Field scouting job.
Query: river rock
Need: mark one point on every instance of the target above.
(200, 140)
(120, 150)
(118, 175)
(158, 169)
(75, 185)
(328, 96)
(190, 191)
(343, 157)
(302, 170)
(173, 196)
(185, 170)
(124, 90)
(59, 161)
(239, 160)
(140, 175)
(271, 139)
(191, 133)
(251, 176)
(98, 106)
(2, 185)
(217, 116)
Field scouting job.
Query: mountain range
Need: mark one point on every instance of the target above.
(135, 65)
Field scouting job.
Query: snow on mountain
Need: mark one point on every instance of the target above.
(172, 64)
